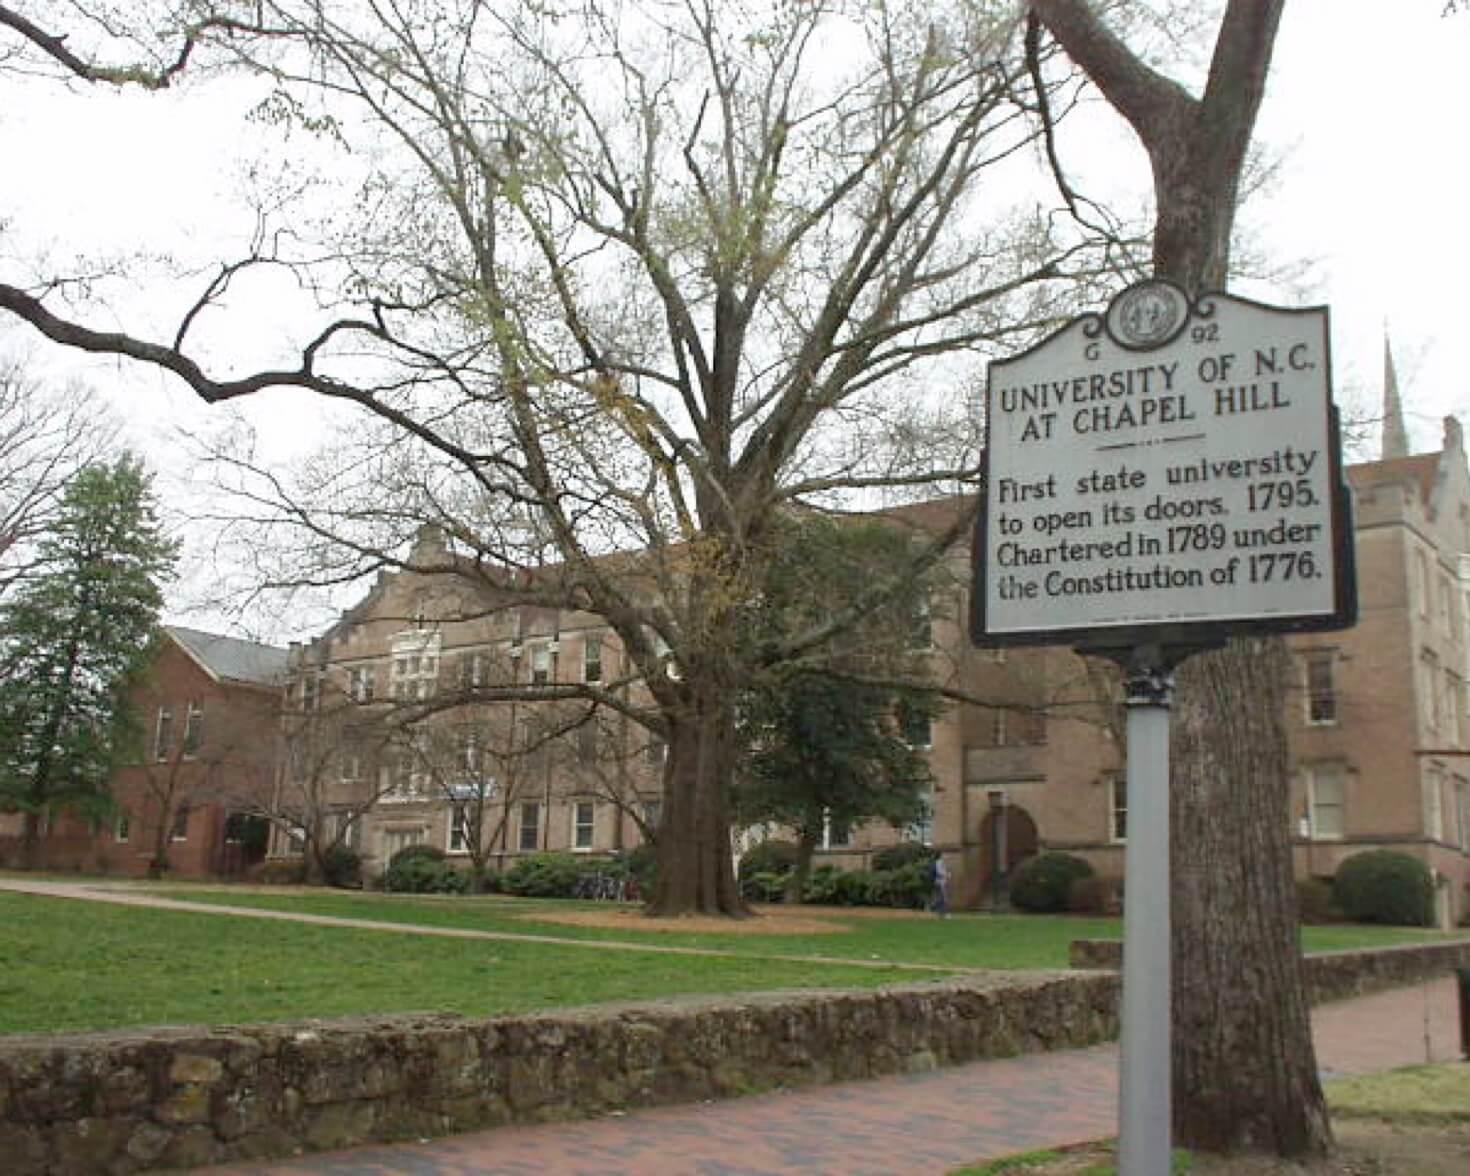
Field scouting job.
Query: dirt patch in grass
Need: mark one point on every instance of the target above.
(763, 921)
(1365, 1147)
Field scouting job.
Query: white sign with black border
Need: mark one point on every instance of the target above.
(1167, 471)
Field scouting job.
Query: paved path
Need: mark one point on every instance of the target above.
(132, 894)
(923, 1124)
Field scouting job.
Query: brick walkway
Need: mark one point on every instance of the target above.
(923, 1124)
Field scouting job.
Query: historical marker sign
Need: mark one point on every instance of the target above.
(1169, 471)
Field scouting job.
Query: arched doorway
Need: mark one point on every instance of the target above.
(1008, 836)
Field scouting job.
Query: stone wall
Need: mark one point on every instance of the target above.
(1330, 975)
(129, 1101)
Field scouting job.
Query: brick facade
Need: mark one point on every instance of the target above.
(208, 748)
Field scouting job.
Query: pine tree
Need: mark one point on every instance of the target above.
(72, 641)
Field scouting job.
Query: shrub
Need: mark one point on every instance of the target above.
(642, 862)
(764, 886)
(1314, 903)
(422, 869)
(908, 887)
(821, 887)
(1382, 886)
(342, 867)
(1043, 883)
(905, 853)
(1096, 894)
(853, 888)
(547, 875)
(769, 857)
(278, 872)
(413, 852)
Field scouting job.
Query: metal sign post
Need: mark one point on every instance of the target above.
(1159, 477)
(1144, 1114)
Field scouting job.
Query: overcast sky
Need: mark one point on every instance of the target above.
(1366, 110)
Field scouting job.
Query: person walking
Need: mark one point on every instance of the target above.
(939, 876)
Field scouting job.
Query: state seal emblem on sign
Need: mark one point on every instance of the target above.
(1148, 315)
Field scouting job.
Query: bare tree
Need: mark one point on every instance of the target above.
(1244, 1069)
(208, 753)
(335, 767)
(636, 279)
(45, 437)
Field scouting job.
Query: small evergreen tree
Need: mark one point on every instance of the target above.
(839, 740)
(73, 638)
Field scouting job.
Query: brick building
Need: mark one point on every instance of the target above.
(391, 740)
(209, 711)
(1379, 728)
(1379, 720)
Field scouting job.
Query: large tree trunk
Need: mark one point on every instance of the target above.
(806, 848)
(1244, 1067)
(1244, 1073)
(30, 841)
(696, 870)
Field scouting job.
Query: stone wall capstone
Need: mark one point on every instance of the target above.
(1329, 975)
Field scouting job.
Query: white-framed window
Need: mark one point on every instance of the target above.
(1117, 807)
(588, 741)
(1446, 604)
(540, 665)
(1320, 666)
(1449, 699)
(1462, 812)
(1326, 802)
(1425, 588)
(1434, 804)
(529, 837)
(163, 733)
(999, 727)
(361, 684)
(1429, 685)
(461, 828)
(346, 828)
(400, 837)
(415, 666)
(349, 764)
(922, 830)
(470, 756)
(193, 730)
(311, 691)
(179, 831)
(915, 728)
(408, 775)
(921, 622)
(1461, 704)
(472, 667)
(122, 827)
(653, 812)
(592, 658)
(584, 824)
(836, 833)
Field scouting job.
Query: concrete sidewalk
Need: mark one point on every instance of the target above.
(922, 1124)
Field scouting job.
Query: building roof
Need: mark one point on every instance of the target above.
(1422, 468)
(230, 658)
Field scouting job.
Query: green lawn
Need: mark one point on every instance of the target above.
(70, 965)
(962, 941)
(66, 964)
